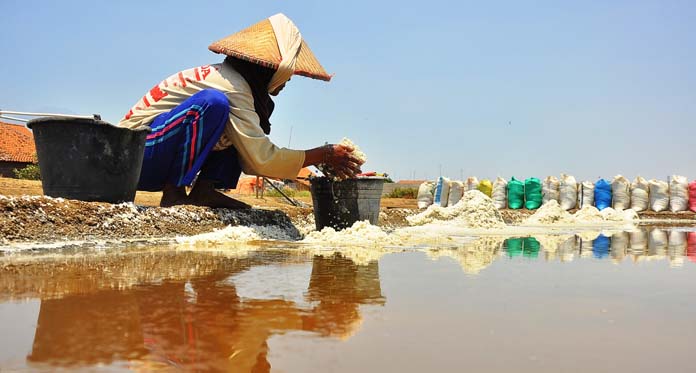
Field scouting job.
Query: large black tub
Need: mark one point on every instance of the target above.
(88, 159)
(339, 204)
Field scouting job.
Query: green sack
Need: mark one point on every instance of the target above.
(486, 187)
(515, 194)
(532, 193)
(531, 247)
(514, 247)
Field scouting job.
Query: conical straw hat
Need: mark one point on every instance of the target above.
(257, 44)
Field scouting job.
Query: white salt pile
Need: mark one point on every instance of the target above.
(551, 213)
(362, 233)
(589, 214)
(362, 243)
(474, 210)
(231, 235)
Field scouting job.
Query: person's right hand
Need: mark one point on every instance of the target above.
(341, 159)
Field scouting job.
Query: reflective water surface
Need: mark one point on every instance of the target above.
(580, 302)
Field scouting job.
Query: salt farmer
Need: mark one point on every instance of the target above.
(211, 122)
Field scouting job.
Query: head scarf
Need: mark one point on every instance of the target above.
(289, 40)
(258, 78)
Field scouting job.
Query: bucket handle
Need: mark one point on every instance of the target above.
(4, 114)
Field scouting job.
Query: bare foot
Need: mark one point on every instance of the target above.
(203, 194)
(173, 195)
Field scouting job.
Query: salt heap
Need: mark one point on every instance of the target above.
(362, 233)
(589, 214)
(474, 210)
(550, 213)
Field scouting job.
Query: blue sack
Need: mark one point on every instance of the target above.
(602, 194)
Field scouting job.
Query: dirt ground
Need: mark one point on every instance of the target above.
(24, 216)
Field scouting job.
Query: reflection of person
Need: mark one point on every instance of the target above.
(213, 121)
(200, 324)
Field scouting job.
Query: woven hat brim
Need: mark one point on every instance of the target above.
(257, 44)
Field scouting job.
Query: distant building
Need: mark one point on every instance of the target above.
(17, 149)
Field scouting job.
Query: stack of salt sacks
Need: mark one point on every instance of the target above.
(678, 193)
(550, 189)
(621, 193)
(456, 190)
(486, 187)
(532, 193)
(499, 194)
(586, 194)
(442, 188)
(568, 189)
(515, 194)
(602, 194)
(471, 183)
(639, 194)
(426, 194)
(659, 195)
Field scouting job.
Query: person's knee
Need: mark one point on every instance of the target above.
(215, 99)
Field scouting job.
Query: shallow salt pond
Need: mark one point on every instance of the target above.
(571, 301)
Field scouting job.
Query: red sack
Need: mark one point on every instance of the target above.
(691, 246)
(692, 196)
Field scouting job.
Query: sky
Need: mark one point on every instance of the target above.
(458, 88)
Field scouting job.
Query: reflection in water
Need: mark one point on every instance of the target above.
(691, 246)
(191, 319)
(640, 245)
(472, 257)
(600, 246)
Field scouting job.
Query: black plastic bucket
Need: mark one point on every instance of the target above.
(339, 204)
(87, 159)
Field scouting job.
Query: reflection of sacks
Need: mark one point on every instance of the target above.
(619, 245)
(602, 194)
(531, 247)
(568, 192)
(639, 194)
(456, 191)
(441, 191)
(620, 193)
(600, 246)
(639, 242)
(659, 195)
(692, 196)
(472, 183)
(585, 194)
(485, 187)
(472, 257)
(677, 243)
(657, 242)
(568, 248)
(691, 246)
(514, 246)
(500, 193)
(678, 193)
(550, 189)
(426, 195)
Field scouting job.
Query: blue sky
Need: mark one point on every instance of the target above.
(496, 88)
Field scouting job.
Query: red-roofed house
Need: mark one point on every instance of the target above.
(17, 149)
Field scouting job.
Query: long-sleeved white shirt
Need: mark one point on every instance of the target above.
(259, 156)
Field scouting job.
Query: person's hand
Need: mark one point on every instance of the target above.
(340, 158)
